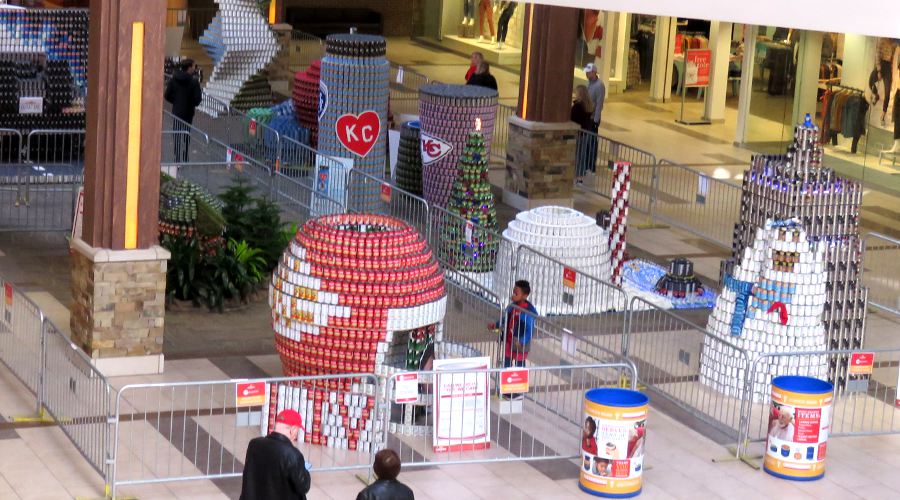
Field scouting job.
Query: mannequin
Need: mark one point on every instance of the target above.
(507, 11)
(896, 116)
(486, 13)
(468, 13)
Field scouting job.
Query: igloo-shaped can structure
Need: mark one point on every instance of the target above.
(568, 236)
(772, 303)
(353, 293)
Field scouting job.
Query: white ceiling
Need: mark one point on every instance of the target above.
(870, 17)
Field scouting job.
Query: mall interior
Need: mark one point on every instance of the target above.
(215, 213)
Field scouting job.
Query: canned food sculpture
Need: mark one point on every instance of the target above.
(567, 236)
(797, 185)
(306, 100)
(447, 114)
(771, 303)
(241, 44)
(350, 290)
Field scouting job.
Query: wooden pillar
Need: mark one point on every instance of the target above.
(118, 271)
(540, 152)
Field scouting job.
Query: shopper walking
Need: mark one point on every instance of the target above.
(516, 339)
(185, 94)
(582, 110)
(274, 467)
(474, 60)
(387, 468)
(483, 77)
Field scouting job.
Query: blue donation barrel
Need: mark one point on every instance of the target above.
(799, 420)
(613, 433)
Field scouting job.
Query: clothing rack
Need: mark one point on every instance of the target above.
(832, 86)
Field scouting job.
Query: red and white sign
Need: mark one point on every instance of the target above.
(461, 403)
(252, 128)
(8, 293)
(696, 68)
(861, 363)
(250, 394)
(406, 388)
(470, 230)
(514, 381)
(386, 193)
(569, 277)
(358, 133)
(433, 149)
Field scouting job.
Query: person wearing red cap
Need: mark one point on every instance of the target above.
(274, 467)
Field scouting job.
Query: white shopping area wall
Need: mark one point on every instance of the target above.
(873, 17)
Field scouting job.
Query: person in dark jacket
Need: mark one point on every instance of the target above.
(185, 94)
(586, 143)
(274, 467)
(387, 468)
(483, 77)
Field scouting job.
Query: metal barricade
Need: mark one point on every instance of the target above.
(300, 202)
(305, 48)
(675, 358)
(470, 308)
(696, 202)
(594, 159)
(21, 338)
(77, 396)
(34, 199)
(865, 404)
(466, 423)
(200, 430)
(62, 147)
(367, 194)
(881, 271)
(584, 304)
(500, 140)
(10, 146)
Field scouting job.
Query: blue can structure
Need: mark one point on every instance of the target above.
(799, 424)
(613, 433)
(353, 108)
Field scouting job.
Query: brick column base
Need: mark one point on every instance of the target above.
(119, 307)
(540, 164)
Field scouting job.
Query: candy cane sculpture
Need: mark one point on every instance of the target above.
(618, 218)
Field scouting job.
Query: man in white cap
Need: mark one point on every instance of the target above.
(596, 91)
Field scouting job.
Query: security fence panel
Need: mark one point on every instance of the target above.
(881, 271)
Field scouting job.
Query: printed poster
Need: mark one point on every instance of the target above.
(461, 405)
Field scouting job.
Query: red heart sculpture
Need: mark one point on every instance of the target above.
(358, 133)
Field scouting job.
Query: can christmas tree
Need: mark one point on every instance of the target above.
(470, 241)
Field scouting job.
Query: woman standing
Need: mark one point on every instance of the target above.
(586, 147)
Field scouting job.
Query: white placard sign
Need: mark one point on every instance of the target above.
(31, 105)
(406, 388)
(461, 405)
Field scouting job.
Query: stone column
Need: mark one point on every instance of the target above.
(540, 157)
(119, 272)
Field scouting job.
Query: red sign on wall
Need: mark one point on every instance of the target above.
(696, 68)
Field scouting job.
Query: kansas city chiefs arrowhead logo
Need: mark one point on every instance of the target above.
(323, 98)
(358, 133)
(433, 149)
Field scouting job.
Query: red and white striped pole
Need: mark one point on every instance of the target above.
(618, 216)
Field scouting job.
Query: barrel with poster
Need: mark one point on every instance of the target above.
(799, 421)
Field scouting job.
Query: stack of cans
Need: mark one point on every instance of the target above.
(618, 217)
(306, 100)
(565, 235)
(409, 159)
(241, 43)
(447, 114)
(772, 303)
(797, 185)
(354, 80)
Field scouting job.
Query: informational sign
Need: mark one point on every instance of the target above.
(797, 433)
(31, 105)
(322, 179)
(406, 388)
(569, 277)
(386, 192)
(393, 150)
(461, 405)
(470, 230)
(400, 75)
(8, 293)
(569, 343)
(323, 98)
(250, 394)
(612, 448)
(252, 128)
(433, 148)
(696, 68)
(79, 214)
(514, 381)
(358, 133)
(861, 363)
(702, 189)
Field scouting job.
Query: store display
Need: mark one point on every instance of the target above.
(469, 239)
(353, 111)
(618, 217)
(507, 11)
(409, 159)
(798, 186)
(306, 100)
(772, 302)
(486, 16)
(241, 44)
(567, 236)
(845, 111)
(447, 113)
